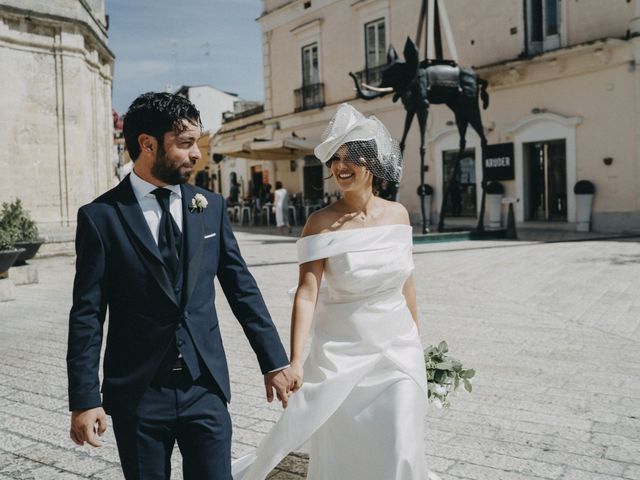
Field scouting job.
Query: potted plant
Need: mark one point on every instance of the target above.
(15, 220)
(584, 191)
(495, 192)
(8, 252)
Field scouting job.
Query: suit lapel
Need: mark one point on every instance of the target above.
(193, 225)
(142, 238)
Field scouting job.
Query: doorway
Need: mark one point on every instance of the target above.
(313, 181)
(545, 182)
(461, 201)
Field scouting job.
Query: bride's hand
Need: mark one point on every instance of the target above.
(297, 373)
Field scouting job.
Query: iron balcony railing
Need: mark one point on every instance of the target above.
(309, 96)
(371, 75)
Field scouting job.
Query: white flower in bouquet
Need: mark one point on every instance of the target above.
(437, 389)
(444, 374)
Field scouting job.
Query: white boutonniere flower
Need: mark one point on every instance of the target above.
(198, 203)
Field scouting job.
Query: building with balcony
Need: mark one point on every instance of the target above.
(563, 87)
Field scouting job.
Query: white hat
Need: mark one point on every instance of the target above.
(349, 125)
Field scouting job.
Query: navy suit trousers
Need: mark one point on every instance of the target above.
(193, 413)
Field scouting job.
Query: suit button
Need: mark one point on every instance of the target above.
(180, 343)
(179, 325)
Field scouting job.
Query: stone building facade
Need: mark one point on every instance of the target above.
(564, 93)
(55, 97)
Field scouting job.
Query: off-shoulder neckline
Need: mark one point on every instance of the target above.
(356, 230)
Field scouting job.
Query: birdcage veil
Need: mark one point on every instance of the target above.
(365, 139)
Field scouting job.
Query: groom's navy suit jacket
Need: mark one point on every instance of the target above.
(119, 268)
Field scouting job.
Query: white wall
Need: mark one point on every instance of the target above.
(211, 102)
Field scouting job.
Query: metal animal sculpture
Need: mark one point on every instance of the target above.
(422, 83)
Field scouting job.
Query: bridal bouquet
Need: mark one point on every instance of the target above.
(444, 374)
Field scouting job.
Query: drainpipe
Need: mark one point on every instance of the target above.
(634, 27)
(526, 27)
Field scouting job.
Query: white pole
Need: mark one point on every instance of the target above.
(430, 30)
(447, 29)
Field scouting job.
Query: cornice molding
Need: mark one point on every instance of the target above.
(52, 20)
(546, 117)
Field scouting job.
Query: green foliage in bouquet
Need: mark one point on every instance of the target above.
(15, 220)
(6, 241)
(444, 374)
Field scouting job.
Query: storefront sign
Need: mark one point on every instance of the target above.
(498, 162)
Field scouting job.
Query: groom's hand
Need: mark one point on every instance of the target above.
(279, 381)
(87, 425)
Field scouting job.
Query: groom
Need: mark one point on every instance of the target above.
(149, 250)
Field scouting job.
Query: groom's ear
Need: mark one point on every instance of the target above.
(147, 143)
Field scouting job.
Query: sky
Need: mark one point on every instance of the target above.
(161, 44)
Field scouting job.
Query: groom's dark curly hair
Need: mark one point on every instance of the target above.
(156, 114)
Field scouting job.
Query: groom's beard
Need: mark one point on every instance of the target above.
(165, 171)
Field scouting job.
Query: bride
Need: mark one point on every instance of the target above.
(363, 400)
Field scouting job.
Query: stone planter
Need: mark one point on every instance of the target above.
(494, 209)
(31, 248)
(7, 257)
(584, 203)
(495, 192)
(427, 207)
(584, 191)
(425, 192)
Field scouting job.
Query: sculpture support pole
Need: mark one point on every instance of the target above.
(423, 195)
(421, 22)
(422, 122)
(430, 29)
(444, 18)
(480, 226)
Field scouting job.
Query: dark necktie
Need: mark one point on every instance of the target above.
(169, 235)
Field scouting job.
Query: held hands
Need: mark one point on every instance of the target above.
(284, 382)
(87, 426)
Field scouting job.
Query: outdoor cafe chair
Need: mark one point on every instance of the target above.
(266, 208)
(246, 208)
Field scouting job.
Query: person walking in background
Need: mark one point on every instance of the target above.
(203, 179)
(281, 206)
(267, 196)
(234, 193)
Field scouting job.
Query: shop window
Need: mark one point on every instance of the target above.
(461, 201)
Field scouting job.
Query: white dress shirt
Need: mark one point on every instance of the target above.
(150, 206)
(152, 211)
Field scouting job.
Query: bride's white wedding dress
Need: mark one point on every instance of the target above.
(362, 404)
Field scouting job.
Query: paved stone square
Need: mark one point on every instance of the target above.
(553, 330)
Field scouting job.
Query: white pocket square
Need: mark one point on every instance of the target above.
(210, 235)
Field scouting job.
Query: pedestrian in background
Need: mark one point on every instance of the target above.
(281, 206)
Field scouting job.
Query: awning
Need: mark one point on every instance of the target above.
(288, 148)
